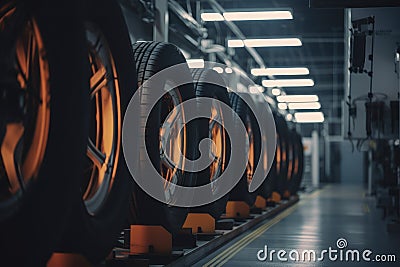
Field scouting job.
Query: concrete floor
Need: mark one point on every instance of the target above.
(316, 223)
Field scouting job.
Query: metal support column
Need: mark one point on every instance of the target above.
(327, 151)
(315, 159)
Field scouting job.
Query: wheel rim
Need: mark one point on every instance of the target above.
(218, 137)
(105, 118)
(24, 139)
(172, 140)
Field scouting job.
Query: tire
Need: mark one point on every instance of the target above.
(240, 192)
(269, 184)
(298, 163)
(291, 163)
(151, 58)
(209, 90)
(101, 213)
(283, 164)
(33, 221)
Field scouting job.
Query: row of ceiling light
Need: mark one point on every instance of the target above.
(252, 15)
(302, 102)
(292, 102)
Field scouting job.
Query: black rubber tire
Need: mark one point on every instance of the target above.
(220, 93)
(301, 162)
(269, 184)
(295, 183)
(152, 57)
(28, 237)
(94, 235)
(240, 192)
(282, 141)
(291, 162)
(292, 176)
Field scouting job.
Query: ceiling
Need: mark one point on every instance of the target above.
(322, 34)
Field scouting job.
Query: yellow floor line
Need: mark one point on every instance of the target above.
(230, 252)
(258, 234)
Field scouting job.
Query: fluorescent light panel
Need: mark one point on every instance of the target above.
(309, 105)
(270, 42)
(282, 105)
(250, 15)
(212, 17)
(218, 69)
(276, 91)
(273, 42)
(309, 117)
(195, 63)
(235, 43)
(279, 71)
(288, 83)
(258, 15)
(297, 98)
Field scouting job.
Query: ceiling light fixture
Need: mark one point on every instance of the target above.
(212, 17)
(258, 15)
(289, 117)
(195, 63)
(247, 15)
(276, 91)
(279, 71)
(282, 105)
(309, 105)
(309, 117)
(297, 98)
(271, 42)
(235, 43)
(288, 83)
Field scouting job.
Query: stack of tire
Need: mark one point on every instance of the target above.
(286, 172)
(67, 74)
(64, 183)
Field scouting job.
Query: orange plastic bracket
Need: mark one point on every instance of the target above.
(276, 197)
(261, 202)
(68, 260)
(200, 223)
(237, 209)
(286, 194)
(150, 239)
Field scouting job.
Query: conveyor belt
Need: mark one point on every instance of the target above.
(316, 223)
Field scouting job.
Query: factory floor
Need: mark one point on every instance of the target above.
(337, 217)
